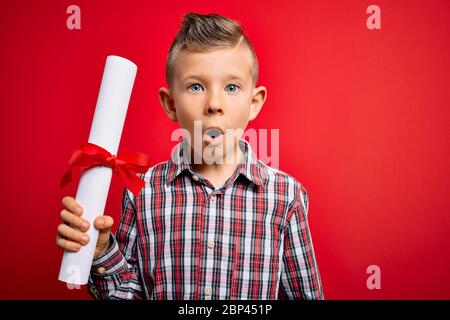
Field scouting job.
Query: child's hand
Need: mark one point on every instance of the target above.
(71, 233)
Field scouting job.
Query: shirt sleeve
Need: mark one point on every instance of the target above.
(115, 274)
(300, 278)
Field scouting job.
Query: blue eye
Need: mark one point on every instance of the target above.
(195, 87)
(232, 88)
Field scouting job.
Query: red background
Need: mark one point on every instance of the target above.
(363, 118)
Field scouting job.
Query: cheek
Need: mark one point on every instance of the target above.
(240, 105)
(187, 106)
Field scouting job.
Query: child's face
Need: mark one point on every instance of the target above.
(217, 89)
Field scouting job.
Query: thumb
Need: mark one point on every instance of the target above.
(103, 224)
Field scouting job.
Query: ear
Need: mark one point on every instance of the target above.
(166, 100)
(259, 97)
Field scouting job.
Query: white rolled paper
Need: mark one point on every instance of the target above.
(106, 130)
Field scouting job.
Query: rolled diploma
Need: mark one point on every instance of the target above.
(106, 130)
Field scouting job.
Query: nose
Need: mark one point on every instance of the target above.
(214, 104)
(214, 109)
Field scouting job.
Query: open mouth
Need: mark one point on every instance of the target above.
(213, 132)
(213, 136)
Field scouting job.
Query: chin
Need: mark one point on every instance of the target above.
(220, 154)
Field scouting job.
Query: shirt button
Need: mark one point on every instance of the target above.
(208, 291)
(195, 177)
(213, 197)
(210, 244)
(101, 270)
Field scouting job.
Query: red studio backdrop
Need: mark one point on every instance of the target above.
(363, 118)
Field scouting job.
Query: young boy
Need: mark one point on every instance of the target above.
(209, 228)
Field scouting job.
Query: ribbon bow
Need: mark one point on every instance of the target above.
(89, 155)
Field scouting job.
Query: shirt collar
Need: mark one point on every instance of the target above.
(250, 166)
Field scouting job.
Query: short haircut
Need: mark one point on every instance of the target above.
(205, 32)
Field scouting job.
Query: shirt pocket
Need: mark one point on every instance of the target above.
(254, 279)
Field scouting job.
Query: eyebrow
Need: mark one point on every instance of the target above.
(228, 76)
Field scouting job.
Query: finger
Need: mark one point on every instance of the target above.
(67, 245)
(72, 205)
(103, 223)
(73, 220)
(72, 234)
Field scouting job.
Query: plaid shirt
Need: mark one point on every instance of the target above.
(181, 238)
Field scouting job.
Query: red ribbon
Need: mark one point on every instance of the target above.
(89, 155)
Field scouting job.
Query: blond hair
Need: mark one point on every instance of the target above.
(204, 32)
